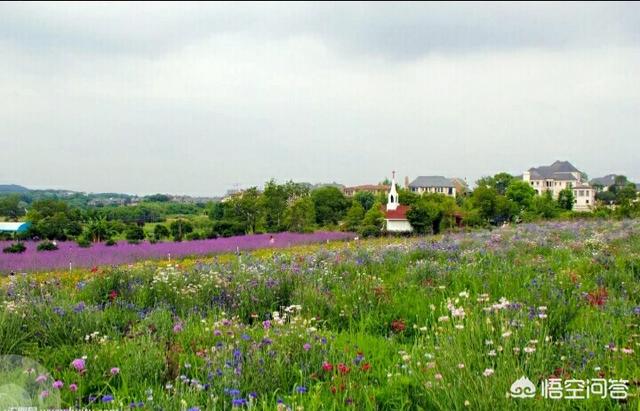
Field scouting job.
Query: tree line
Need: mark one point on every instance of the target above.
(295, 207)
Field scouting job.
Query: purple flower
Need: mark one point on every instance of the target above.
(266, 324)
(107, 398)
(78, 364)
(73, 387)
(301, 389)
(100, 254)
(115, 371)
(307, 347)
(238, 402)
(58, 384)
(41, 378)
(79, 307)
(636, 310)
(177, 327)
(44, 394)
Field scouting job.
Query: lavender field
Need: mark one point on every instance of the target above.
(69, 253)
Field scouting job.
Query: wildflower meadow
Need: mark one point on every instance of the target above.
(447, 323)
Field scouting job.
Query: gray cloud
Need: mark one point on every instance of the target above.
(195, 98)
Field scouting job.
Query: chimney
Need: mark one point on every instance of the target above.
(406, 182)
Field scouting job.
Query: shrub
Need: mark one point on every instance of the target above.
(194, 236)
(84, 243)
(15, 248)
(47, 246)
(110, 242)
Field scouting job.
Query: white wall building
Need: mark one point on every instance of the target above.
(559, 176)
(395, 214)
(434, 184)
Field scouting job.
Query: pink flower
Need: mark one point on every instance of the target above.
(115, 371)
(58, 384)
(438, 376)
(177, 327)
(41, 378)
(73, 387)
(307, 347)
(78, 364)
(44, 394)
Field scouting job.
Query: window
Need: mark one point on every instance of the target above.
(450, 190)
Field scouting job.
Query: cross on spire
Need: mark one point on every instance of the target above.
(393, 173)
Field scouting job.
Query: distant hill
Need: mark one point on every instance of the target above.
(13, 188)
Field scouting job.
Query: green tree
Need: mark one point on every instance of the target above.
(300, 216)
(134, 233)
(365, 198)
(98, 230)
(566, 199)
(521, 193)
(353, 218)
(180, 228)
(420, 218)
(407, 197)
(160, 231)
(373, 221)
(545, 206)
(10, 207)
(330, 205)
(484, 198)
(246, 209)
(499, 182)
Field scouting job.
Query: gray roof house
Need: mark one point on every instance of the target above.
(562, 175)
(433, 184)
(606, 181)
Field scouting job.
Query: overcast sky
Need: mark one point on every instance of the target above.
(196, 98)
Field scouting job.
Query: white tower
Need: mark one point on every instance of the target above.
(392, 198)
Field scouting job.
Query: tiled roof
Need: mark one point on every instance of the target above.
(399, 213)
(431, 181)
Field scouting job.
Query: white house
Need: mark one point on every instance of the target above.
(559, 176)
(395, 214)
(435, 184)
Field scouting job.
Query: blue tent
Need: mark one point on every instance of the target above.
(14, 227)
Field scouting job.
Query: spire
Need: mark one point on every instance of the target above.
(392, 198)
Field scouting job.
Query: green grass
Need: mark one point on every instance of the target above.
(417, 322)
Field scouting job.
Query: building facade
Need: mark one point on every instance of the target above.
(395, 214)
(559, 176)
(435, 185)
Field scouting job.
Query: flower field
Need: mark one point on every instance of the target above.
(447, 323)
(69, 253)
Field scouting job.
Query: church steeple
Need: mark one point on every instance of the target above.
(392, 197)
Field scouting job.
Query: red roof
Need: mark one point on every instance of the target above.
(399, 213)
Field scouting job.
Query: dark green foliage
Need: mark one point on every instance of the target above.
(330, 205)
(566, 199)
(47, 246)
(365, 198)
(353, 218)
(180, 228)
(15, 248)
(160, 231)
(300, 216)
(134, 233)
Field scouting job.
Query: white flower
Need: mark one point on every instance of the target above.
(529, 350)
(464, 294)
(506, 334)
(488, 372)
(443, 319)
(492, 353)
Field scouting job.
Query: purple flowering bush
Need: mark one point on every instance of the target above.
(71, 254)
(444, 322)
